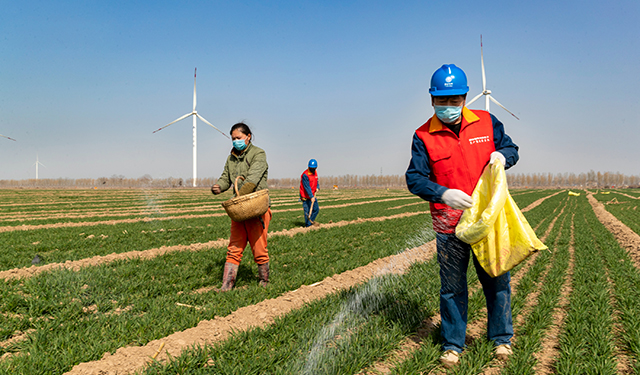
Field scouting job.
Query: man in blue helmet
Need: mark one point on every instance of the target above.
(448, 155)
(308, 188)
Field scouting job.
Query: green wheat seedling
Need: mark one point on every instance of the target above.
(532, 331)
(340, 334)
(477, 356)
(81, 315)
(587, 341)
(18, 248)
(626, 278)
(523, 200)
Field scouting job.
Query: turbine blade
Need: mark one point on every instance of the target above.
(4, 136)
(202, 118)
(503, 107)
(484, 78)
(474, 99)
(174, 121)
(194, 89)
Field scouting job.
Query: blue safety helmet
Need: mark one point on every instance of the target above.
(448, 80)
(313, 163)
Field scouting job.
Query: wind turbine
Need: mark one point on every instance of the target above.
(36, 164)
(485, 92)
(4, 136)
(195, 114)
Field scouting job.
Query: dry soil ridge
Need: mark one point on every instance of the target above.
(17, 273)
(164, 218)
(129, 359)
(626, 237)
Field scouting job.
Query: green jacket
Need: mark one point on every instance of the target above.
(250, 164)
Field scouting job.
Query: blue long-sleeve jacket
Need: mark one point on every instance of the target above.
(306, 185)
(418, 172)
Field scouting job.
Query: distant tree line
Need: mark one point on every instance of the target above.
(515, 180)
(590, 179)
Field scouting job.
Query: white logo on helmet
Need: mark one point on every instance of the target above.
(448, 80)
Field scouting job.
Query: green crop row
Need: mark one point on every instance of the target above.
(77, 316)
(623, 208)
(479, 354)
(587, 341)
(625, 278)
(523, 200)
(18, 248)
(299, 342)
(154, 206)
(532, 332)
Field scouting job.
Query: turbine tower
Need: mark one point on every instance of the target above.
(4, 136)
(195, 114)
(36, 164)
(485, 92)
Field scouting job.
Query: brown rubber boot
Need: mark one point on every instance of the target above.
(263, 274)
(229, 276)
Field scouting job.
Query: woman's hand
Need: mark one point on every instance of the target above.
(215, 189)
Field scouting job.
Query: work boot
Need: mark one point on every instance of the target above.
(263, 274)
(229, 276)
(503, 352)
(449, 358)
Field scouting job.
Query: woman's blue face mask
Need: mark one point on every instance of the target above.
(448, 114)
(239, 144)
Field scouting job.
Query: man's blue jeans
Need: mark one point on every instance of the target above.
(453, 257)
(306, 205)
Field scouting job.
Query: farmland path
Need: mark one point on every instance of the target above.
(17, 273)
(626, 237)
(130, 359)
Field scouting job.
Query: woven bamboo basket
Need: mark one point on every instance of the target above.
(247, 206)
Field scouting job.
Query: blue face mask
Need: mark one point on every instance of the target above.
(239, 144)
(448, 114)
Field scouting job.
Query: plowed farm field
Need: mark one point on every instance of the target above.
(126, 281)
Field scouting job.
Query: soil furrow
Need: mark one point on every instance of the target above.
(546, 357)
(626, 237)
(412, 343)
(129, 359)
(152, 253)
(150, 219)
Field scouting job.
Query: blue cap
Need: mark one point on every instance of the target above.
(313, 163)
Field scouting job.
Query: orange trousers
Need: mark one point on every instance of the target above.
(253, 232)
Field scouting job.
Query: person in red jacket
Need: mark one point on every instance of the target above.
(308, 189)
(448, 154)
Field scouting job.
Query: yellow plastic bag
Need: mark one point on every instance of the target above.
(498, 233)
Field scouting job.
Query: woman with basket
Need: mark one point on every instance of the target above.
(246, 170)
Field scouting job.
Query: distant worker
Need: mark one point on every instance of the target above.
(448, 156)
(250, 162)
(308, 188)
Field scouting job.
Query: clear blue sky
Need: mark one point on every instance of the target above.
(84, 83)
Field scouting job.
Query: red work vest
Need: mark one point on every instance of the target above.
(456, 162)
(313, 182)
